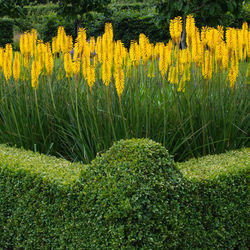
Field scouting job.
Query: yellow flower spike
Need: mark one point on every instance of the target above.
(49, 63)
(16, 66)
(61, 37)
(178, 29)
(30, 44)
(206, 66)
(95, 61)
(68, 44)
(142, 46)
(26, 62)
(163, 62)
(76, 55)
(85, 66)
(7, 67)
(232, 75)
(1, 57)
(21, 44)
(240, 43)
(98, 48)
(92, 45)
(35, 72)
(76, 67)
(34, 34)
(156, 50)
(8, 51)
(55, 47)
(68, 65)
(119, 81)
(172, 30)
(133, 52)
(109, 31)
(190, 29)
(225, 57)
(91, 76)
(106, 73)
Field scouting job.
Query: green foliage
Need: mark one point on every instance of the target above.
(135, 183)
(11, 8)
(36, 18)
(45, 20)
(209, 117)
(6, 27)
(132, 197)
(76, 9)
(40, 10)
(49, 26)
(218, 191)
(127, 26)
(206, 12)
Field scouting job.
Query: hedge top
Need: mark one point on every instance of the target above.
(212, 166)
(53, 168)
(141, 156)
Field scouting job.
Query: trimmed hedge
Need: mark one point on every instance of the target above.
(218, 191)
(131, 197)
(6, 28)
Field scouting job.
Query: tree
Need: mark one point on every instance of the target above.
(206, 12)
(76, 9)
(11, 8)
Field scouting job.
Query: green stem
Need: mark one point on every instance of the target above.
(109, 112)
(77, 112)
(38, 115)
(123, 118)
(51, 93)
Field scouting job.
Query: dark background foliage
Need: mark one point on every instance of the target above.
(129, 18)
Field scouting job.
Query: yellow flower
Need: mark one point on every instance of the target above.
(91, 76)
(163, 62)
(16, 66)
(68, 65)
(119, 81)
(1, 57)
(76, 67)
(7, 68)
(49, 62)
(35, 72)
(176, 29)
(206, 69)
(190, 29)
(106, 73)
(55, 47)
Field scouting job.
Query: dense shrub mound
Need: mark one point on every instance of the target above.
(133, 193)
(131, 197)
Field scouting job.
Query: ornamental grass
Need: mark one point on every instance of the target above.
(75, 98)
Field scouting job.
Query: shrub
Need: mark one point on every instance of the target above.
(218, 192)
(6, 27)
(127, 26)
(43, 18)
(49, 26)
(131, 197)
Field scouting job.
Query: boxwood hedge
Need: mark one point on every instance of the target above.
(131, 197)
